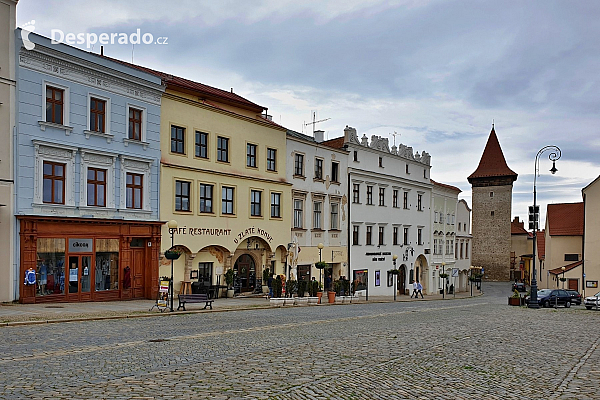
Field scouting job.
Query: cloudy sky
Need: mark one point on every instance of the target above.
(435, 72)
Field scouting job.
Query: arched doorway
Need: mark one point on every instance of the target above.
(422, 272)
(402, 279)
(245, 273)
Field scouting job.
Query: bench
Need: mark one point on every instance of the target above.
(194, 298)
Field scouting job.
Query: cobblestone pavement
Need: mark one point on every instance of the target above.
(476, 348)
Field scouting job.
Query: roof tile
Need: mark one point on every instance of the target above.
(492, 163)
(565, 219)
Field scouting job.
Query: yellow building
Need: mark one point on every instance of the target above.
(223, 179)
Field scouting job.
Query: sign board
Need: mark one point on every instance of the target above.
(81, 245)
(454, 272)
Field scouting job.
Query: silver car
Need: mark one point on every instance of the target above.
(592, 301)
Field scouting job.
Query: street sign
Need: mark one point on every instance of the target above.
(482, 270)
(454, 272)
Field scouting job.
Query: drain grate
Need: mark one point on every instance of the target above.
(158, 340)
(54, 307)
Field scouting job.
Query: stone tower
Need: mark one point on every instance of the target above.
(492, 202)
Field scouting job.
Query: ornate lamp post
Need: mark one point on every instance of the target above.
(395, 257)
(563, 277)
(172, 224)
(443, 276)
(320, 246)
(553, 156)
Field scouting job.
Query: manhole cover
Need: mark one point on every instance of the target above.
(158, 340)
(54, 307)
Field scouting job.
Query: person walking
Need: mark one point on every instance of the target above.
(415, 291)
(419, 290)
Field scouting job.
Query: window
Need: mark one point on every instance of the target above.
(182, 196)
(318, 168)
(441, 218)
(205, 272)
(425, 173)
(317, 208)
(369, 194)
(298, 210)
(355, 155)
(467, 250)
(453, 217)
(275, 205)
(201, 144)
(456, 248)
(356, 193)
(420, 236)
(135, 189)
(227, 200)
(448, 220)
(369, 235)
(135, 124)
(406, 200)
(96, 187)
(435, 246)
(395, 236)
(459, 226)
(206, 198)
(51, 265)
(390, 279)
(382, 196)
(420, 202)
(251, 155)
(222, 149)
(491, 194)
(571, 257)
(97, 115)
(177, 139)
(54, 105)
(271, 159)
(54, 183)
(492, 213)
(355, 235)
(255, 203)
(381, 162)
(299, 164)
(462, 245)
(407, 169)
(334, 216)
(381, 231)
(405, 236)
(335, 172)
(395, 200)
(435, 216)
(107, 264)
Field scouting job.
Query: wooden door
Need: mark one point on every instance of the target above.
(574, 284)
(137, 273)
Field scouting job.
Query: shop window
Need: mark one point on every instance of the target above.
(50, 266)
(360, 279)
(205, 272)
(107, 263)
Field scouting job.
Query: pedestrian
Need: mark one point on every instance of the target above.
(419, 289)
(415, 290)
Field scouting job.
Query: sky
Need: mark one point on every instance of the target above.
(435, 72)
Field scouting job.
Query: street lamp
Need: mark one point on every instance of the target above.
(553, 156)
(395, 257)
(172, 224)
(444, 280)
(563, 278)
(320, 246)
(471, 279)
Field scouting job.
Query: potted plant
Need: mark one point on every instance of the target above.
(265, 280)
(301, 300)
(173, 254)
(313, 289)
(229, 281)
(443, 276)
(277, 300)
(515, 299)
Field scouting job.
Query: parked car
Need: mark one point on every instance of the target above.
(592, 301)
(519, 287)
(551, 297)
(575, 297)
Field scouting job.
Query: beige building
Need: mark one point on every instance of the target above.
(463, 245)
(521, 251)
(591, 237)
(10, 281)
(492, 202)
(564, 246)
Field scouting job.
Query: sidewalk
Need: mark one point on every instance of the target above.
(13, 314)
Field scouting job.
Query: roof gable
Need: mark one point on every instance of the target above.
(492, 163)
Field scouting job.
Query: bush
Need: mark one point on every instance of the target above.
(291, 287)
(302, 287)
(337, 287)
(277, 286)
(229, 278)
(313, 288)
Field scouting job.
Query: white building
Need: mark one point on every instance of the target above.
(390, 194)
(320, 207)
(463, 244)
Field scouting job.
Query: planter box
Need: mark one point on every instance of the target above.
(339, 299)
(276, 301)
(514, 301)
(313, 301)
(331, 297)
(289, 301)
(172, 255)
(302, 301)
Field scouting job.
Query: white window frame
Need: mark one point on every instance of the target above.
(100, 160)
(143, 140)
(300, 220)
(107, 118)
(135, 165)
(318, 214)
(66, 107)
(59, 154)
(334, 218)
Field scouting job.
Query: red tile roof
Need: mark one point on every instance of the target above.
(443, 185)
(517, 227)
(541, 244)
(565, 219)
(209, 91)
(492, 163)
(568, 267)
(336, 143)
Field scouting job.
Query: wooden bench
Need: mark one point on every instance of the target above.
(194, 298)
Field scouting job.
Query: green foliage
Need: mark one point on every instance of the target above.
(563, 279)
(291, 287)
(320, 265)
(277, 286)
(337, 286)
(313, 288)
(302, 287)
(515, 295)
(443, 276)
(229, 278)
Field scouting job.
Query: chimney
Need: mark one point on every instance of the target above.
(318, 135)
(101, 50)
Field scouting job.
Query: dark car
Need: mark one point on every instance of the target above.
(550, 298)
(519, 287)
(575, 297)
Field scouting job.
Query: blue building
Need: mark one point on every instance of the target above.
(87, 158)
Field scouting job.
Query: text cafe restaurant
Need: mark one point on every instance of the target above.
(86, 259)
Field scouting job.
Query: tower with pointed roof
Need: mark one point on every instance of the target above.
(492, 202)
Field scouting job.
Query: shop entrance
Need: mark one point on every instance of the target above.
(80, 277)
(245, 273)
(402, 280)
